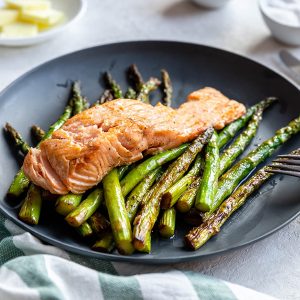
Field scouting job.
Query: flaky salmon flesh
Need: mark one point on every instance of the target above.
(92, 143)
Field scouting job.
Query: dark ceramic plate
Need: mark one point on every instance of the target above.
(40, 95)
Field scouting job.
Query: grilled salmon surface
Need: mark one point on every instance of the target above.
(118, 132)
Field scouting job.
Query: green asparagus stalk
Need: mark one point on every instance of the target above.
(151, 85)
(140, 192)
(232, 129)
(118, 217)
(137, 174)
(17, 139)
(243, 140)
(135, 77)
(19, 185)
(167, 222)
(31, 207)
(146, 219)
(198, 236)
(98, 223)
(170, 197)
(130, 94)
(85, 230)
(105, 244)
(37, 132)
(86, 208)
(187, 200)
(113, 86)
(78, 101)
(229, 181)
(209, 183)
(166, 88)
(122, 171)
(65, 204)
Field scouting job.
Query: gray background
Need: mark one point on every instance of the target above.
(272, 265)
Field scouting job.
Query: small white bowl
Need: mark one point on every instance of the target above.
(211, 3)
(73, 10)
(286, 34)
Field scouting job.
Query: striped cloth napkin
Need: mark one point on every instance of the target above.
(32, 270)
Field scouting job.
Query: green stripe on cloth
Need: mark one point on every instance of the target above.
(94, 263)
(33, 272)
(8, 250)
(114, 287)
(3, 231)
(208, 288)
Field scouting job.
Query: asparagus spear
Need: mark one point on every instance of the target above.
(238, 146)
(209, 183)
(105, 244)
(78, 100)
(65, 204)
(151, 85)
(17, 139)
(37, 132)
(118, 217)
(229, 181)
(198, 236)
(98, 223)
(144, 222)
(187, 200)
(170, 197)
(166, 224)
(139, 193)
(86, 208)
(31, 207)
(135, 77)
(122, 171)
(231, 130)
(130, 94)
(85, 230)
(166, 88)
(113, 86)
(137, 174)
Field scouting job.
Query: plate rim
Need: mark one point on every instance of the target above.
(144, 258)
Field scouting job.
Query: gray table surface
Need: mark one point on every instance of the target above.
(271, 265)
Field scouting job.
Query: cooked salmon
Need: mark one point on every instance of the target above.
(93, 142)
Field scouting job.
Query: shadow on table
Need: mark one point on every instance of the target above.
(185, 8)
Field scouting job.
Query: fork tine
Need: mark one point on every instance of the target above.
(288, 161)
(291, 173)
(289, 156)
(286, 167)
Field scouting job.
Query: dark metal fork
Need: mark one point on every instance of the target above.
(286, 164)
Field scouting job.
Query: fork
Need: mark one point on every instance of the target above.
(288, 164)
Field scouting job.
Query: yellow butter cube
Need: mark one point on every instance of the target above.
(19, 30)
(28, 4)
(47, 17)
(8, 16)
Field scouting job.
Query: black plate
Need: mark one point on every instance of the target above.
(40, 95)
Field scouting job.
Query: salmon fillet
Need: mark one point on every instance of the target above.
(93, 142)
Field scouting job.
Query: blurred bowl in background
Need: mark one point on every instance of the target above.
(211, 3)
(281, 31)
(72, 9)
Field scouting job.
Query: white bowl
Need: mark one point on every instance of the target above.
(211, 3)
(73, 10)
(284, 33)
